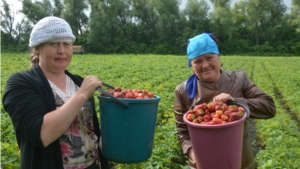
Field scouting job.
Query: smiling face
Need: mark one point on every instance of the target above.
(207, 67)
(55, 57)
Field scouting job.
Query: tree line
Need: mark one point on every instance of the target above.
(252, 27)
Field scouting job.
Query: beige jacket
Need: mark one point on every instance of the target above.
(242, 89)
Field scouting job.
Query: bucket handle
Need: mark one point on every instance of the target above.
(112, 97)
(108, 85)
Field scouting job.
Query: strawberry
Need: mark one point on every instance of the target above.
(150, 94)
(227, 112)
(200, 118)
(219, 113)
(195, 120)
(206, 118)
(211, 106)
(190, 117)
(200, 112)
(118, 89)
(234, 108)
(224, 117)
(216, 121)
(235, 116)
(129, 95)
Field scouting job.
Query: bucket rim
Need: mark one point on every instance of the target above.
(214, 126)
(149, 100)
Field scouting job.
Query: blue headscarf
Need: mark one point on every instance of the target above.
(198, 46)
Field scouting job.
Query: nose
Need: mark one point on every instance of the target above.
(60, 47)
(205, 64)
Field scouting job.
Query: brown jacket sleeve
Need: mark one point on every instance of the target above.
(181, 105)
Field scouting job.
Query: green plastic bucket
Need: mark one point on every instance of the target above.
(128, 132)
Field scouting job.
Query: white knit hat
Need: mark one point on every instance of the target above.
(51, 29)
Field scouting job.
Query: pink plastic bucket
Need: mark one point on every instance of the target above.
(218, 146)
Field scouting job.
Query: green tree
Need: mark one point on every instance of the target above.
(265, 17)
(7, 21)
(146, 27)
(58, 8)
(196, 12)
(169, 24)
(222, 20)
(13, 33)
(37, 10)
(295, 14)
(109, 24)
(75, 15)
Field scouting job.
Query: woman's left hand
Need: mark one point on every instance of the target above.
(223, 97)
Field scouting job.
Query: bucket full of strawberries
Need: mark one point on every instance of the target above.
(127, 121)
(216, 133)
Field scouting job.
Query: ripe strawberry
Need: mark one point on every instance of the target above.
(145, 92)
(235, 116)
(241, 113)
(234, 108)
(241, 109)
(211, 106)
(216, 121)
(206, 122)
(207, 118)
(224, 117)
(118, 89)
(224, 107)
(119, 95)
(150, 94)
(190, 117)
(191, 111)
(218, 107)
(207, 112)
(195, 120)
(129, 95)
(228, 112)
(219, 113)
(214, 116)
(200, 118)
(200, 112)
(204, 106)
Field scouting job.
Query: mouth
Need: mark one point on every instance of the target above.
(206, 71)
(60, 59)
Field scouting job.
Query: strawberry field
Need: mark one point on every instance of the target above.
(276, 141)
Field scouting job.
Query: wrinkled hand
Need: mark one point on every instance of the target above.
(192, 156)
(223, 97)
(89, 85)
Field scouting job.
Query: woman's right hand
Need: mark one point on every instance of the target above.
(89, 85)
(192, 157)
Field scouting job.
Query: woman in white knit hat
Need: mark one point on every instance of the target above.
(53, 110)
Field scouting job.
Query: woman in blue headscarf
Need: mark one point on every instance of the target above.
(210, 83)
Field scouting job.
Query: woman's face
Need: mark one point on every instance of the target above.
(55, 57)
(207, 67)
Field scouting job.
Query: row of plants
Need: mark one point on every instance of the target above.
(287, 81)
(278, 136)
(161, 74)
(277, 77)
